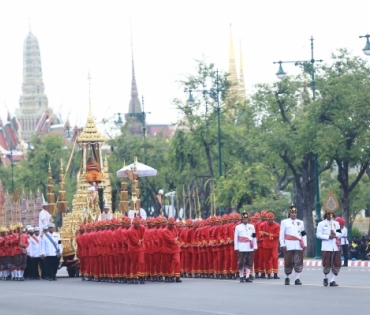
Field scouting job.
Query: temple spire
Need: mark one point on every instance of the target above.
(232, 68)
(134, 106)
(241, 74)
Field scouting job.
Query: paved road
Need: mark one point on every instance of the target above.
(193, 296)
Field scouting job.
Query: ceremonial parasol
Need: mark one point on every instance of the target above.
(141, 169)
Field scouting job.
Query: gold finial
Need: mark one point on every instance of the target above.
(90, 132)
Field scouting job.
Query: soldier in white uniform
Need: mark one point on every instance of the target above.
(34, 253)
(329, 232)
(51, 251)
(293, 242)
(245, 244)
(343, 240)
(45, 218)
(106, 215)
(44, 230)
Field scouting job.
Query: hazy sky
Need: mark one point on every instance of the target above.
(80, 36)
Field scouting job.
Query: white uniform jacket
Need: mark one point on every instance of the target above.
(343, 238)
(35, 246)
(323, 232)
(245, 238)
(47, 248)
(45, 218)
(292, 228)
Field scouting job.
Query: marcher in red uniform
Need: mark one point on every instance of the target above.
(172, 251)
(195, 247)
(226, 246)
(203, 239)
(156, 243)
(119, 251)
(233, 265)
(87, 249)
(95, 250)
(189, 249)
(3, 252)
(136, 249)
(256, 258)
(146, 249)
(261, 259)
(270, 232)
(210, 244)
(19, 244)
(149, 249)
(81, 251)
(181, 234)
(126, 256)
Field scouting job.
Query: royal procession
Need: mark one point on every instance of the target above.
(164, 157)
(125, 246)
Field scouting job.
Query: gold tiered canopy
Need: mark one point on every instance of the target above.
(90, 132)
(85, 203)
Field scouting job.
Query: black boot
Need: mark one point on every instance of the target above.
(276, 276)
(178, 280)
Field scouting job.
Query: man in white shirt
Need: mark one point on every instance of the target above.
(106, 215)
(330, 233)
(34, 253)
(293, 242)
(245, 244)
(45, 218)
(44, 230)
(27, 270)
(51, 251)
(343, 240)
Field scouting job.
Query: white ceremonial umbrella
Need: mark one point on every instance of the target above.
(141, 169)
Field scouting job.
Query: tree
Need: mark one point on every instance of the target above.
(287, 124)
(153, 150)
(344, 113)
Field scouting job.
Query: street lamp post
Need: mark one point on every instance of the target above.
(214, 94)
(366, 49)
(308, 67)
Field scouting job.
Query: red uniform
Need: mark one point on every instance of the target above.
(81, 254)
(136, 250)
(126, 254)
(20, 243)
(257, 253)
(270, 246)
(156, 243)
(171, 249)
(189, 249)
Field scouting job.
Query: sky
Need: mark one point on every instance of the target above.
(78, 37)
